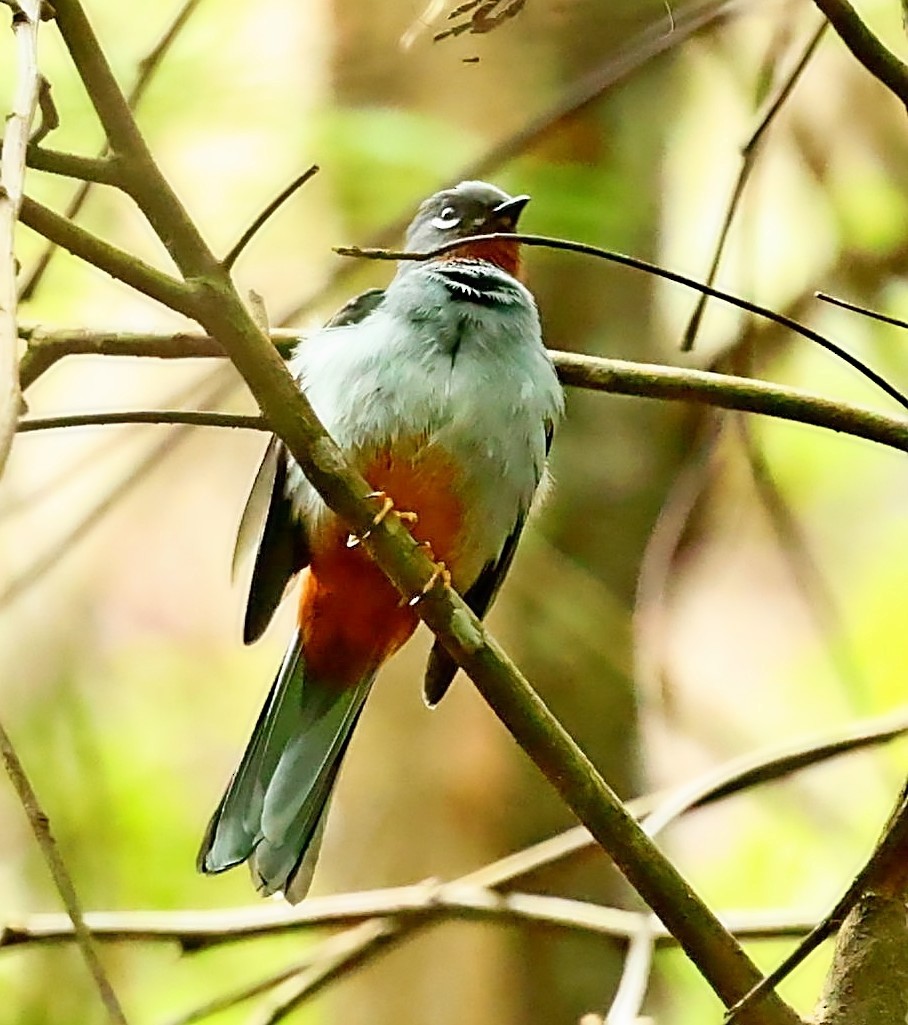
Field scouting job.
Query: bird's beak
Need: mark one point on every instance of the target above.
(506, 215)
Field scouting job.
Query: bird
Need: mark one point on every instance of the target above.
(439, 391)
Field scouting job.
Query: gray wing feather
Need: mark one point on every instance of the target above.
(268, 525)
(442, 669)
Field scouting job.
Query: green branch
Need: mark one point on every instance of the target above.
(102, 170)
(117, 262)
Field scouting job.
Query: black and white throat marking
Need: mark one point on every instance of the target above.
(477, 281)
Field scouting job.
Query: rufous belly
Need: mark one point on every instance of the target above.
(351, 617)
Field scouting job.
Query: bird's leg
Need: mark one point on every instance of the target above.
(387, 505)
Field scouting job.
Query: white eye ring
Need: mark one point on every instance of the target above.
(446, 219)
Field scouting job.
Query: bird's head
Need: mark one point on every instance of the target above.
(470, 208)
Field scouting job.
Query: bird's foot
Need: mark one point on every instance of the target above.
(440, 573)
(387, 504)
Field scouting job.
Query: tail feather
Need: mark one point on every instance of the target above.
(273, 811)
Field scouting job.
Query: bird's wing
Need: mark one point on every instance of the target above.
(268, 525)
(442, 668)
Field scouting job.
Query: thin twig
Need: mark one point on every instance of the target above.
(25, 19)
(275, 204)
(40, 825)
(146, 69)
(638, 963)
(49, 116)
(749, 153)
(652, 43)
(862, 310)
(886, 864)
(644, 265)
(186, 417)
(45, 562)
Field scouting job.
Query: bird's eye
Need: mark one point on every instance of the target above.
(446, 219)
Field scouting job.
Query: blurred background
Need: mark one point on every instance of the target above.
(772, 553)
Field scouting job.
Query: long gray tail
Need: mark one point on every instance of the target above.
(274, 809)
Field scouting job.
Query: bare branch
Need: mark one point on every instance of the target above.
(884, 318)
(25, 19)
(100, 170)
(40, 825)
(186, 417)
(50, 118)
(275, 204)
(865, 47)
(147, 67)
(749, 152)
(116, 262)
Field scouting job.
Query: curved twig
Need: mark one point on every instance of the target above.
(584, 249)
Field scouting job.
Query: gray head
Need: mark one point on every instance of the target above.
(470, 208)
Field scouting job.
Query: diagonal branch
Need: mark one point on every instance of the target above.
(109, 258)
(41, 828)
(147, 67)
(865, 47)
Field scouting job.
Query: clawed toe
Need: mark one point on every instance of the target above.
(440, 573)
(387, 505)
